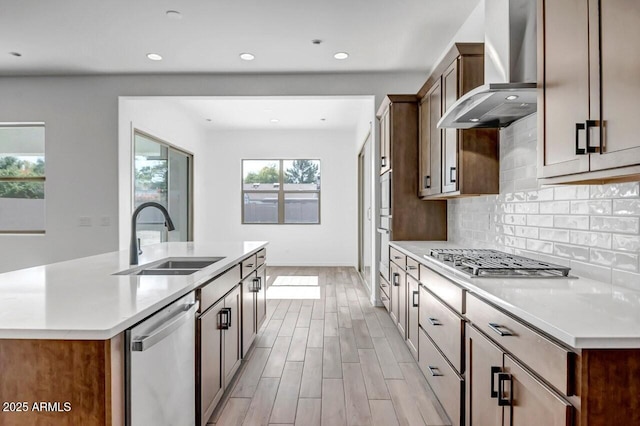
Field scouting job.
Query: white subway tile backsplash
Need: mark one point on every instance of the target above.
(591, 207)
(593, 229)
(617, 260)
(629, 207)
(591, 239)
(555, 207)
(625, 279)
(616, 190)
(540, 220)
(625, 225)
(571, 251)
(574, 192)
(626, 242)
(559, 235)
(571, 222)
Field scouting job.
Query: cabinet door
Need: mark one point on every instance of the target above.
(619, 89)
(231, 350)
(532, 402)
(261, 297)
(430, 142)
(412, 317)
(249, 287)
(484, 361)
(385, 141)
(402, 305)
(563, 67)
(450, 141)
(210, 362)
(394, 295)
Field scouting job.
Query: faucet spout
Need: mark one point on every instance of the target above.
(133, 246)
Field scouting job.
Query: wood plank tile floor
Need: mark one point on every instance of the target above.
(326, 356)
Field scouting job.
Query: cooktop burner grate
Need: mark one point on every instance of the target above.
(493, 263)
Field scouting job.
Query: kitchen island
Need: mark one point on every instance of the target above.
(62, 329)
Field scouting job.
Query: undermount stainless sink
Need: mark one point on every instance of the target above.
(172, 266)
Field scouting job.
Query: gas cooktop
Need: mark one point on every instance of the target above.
(485, 263)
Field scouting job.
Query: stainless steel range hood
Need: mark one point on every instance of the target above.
(510, 91)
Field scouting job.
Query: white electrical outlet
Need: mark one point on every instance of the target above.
(84, 221)
(105, 221)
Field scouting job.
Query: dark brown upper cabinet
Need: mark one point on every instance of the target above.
(588, 105)
(454, 162)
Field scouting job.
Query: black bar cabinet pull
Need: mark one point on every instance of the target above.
(451, 178)
(427, 182)
(494, 370)
(579, 151)
(256, 285)
(590, 124)
(415, 304)
(383, 161)
(501, 330)
(435, 371)
(396, 279)
(504, 402)
(434, 321)
(225, 318)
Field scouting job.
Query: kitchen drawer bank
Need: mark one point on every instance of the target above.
(68, 350)
(488, 360)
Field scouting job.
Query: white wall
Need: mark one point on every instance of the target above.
(81, 118)
(333, 242)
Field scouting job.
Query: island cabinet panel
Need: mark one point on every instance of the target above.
(62, 382)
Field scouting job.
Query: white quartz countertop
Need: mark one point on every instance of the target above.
(81, 299)
(580, 312)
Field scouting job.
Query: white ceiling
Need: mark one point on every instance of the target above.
(291, 112)
(114, 36)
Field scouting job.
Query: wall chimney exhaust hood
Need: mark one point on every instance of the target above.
(510, 91)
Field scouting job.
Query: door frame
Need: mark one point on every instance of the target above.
(362, 225)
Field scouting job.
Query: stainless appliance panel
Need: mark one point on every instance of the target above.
(160, 367)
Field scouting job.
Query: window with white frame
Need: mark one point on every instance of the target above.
(22, 178)
(281, 191)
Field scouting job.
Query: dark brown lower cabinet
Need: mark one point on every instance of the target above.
(254, 306)
(502, 392)
(413, 306)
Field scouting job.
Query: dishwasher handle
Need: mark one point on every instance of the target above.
(145, 342)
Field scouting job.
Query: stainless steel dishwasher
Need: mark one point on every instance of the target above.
(160, 366)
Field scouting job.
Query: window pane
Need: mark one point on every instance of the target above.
(260, 175)
(301, 208)
(151, 167)
(22, 206)
(22, 151)
(301, 175)
(261, 207)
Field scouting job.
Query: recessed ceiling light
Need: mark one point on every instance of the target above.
(323, 119)
(173, 14)
(247, 57)
(274, 120)
(474, 119)
(341, 55)
(316, 41)
(154, 56)
(511, 97)
(208, 119)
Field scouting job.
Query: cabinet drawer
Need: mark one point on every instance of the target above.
(551, 361)
(218, 287)
(446, 290)
(261, 257)
(413, 268)
(444, 327)
(385, 301)
(384, 286)
(445, 382)
(398, 257)
(249, 265)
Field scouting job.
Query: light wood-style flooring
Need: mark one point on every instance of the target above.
(334, 360)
